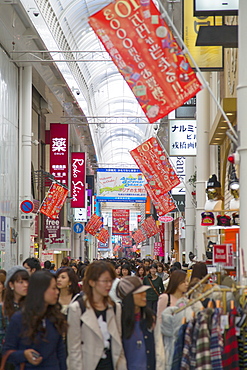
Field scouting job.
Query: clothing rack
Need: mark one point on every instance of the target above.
(198, 284)
(207, 293)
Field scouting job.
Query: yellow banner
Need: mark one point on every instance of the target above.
(206, 57)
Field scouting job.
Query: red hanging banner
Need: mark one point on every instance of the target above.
(163, 203)
(150, 227)
(155, 166)
(147, 55)
(54, 201)
(94, 224)
(120, 221)
(78, 179)
(139, 236)
(103, 235)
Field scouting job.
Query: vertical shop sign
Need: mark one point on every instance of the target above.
(120, 221)
(155, 166)
(147, 55)
(78, 179)
(59, 143)
(52, 227)
(103, 236)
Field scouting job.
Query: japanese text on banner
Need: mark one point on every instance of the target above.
(147, 55)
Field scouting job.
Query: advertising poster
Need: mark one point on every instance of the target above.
(120, 185)
(120, 221)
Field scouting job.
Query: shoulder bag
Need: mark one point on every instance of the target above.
(5, 357)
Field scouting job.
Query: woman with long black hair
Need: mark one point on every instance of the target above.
(138, 323)
(35, 332)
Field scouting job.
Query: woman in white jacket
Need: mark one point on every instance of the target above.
(94, 334)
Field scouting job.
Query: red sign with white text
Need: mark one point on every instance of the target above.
(94, 224)
(103, 235)
(220, 253)
(155, 166)
(150, 227)
(54, 201)
(163, 203)
(147, 55)
(78, 179)
(139, 236)
(120, 221)
(59, 153)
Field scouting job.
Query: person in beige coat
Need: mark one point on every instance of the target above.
(94, 334)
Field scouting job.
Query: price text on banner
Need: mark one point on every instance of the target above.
(146, 53)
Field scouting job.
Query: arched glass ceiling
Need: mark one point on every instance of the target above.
(116, 120)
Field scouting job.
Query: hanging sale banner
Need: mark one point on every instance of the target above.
(54, 201)
(59, 152)
(94, 224)
(103, 235)
(139, 236)
(78, 179)
(155, 166)
(147, 55)
(163, 203)
(120, 221)
(150, 227)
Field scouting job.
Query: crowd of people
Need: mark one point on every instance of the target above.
(106, 314)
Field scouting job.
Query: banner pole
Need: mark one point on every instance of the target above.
(204, 82)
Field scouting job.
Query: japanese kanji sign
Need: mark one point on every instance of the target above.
(78, 178)
(59, 141)
(163, 203)
(94, 224)
(120, 221)
(182, 138)
(147, 55)
(155, 166)
(54, 201)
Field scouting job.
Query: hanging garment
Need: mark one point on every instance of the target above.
(178, 349)
(170, 324)
(187, 360)
(216, 341)
(242, 348)
(230, 359)
(203, 359)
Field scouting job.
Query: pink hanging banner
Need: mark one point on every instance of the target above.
(163, 203)
(78, 179)
(54, 201)
(120, 221)
(147, 55)
(155, 166)
(59, 152)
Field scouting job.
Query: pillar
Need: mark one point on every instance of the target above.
(25, 156)
(189, 209)
(202, 162)
(242, 114)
